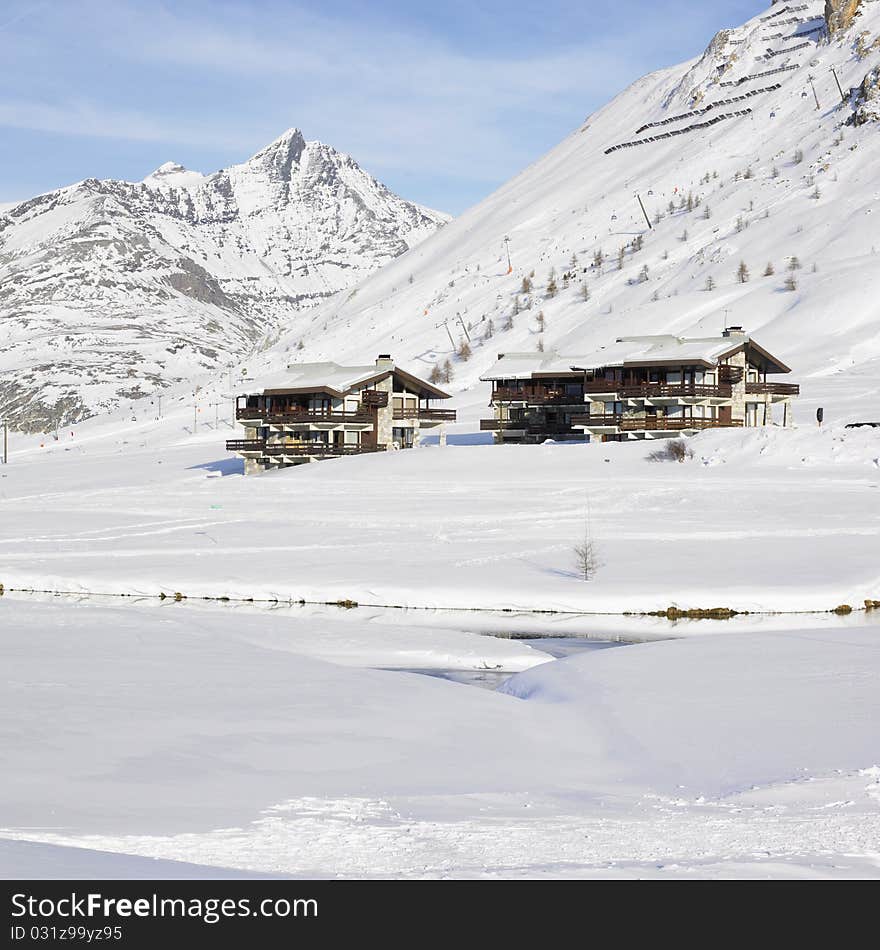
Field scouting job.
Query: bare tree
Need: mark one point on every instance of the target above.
(586, 552)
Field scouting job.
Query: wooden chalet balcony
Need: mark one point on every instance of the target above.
(659, 390)
(298, 448)
(773, 389)
(650, 423)
(500, 425)
(303, 416)
(537, 397)
(428, 415)
(374, 398)
(522, 425)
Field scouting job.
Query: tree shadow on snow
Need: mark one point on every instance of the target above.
(559, 572)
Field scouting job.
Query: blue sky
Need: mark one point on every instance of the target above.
(442, 101)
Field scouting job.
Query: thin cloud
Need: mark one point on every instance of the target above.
(96, 121)
(228, 77)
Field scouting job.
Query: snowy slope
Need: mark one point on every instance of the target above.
(760, 204)
(112, 290)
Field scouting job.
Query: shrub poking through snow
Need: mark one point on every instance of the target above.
(675, 450)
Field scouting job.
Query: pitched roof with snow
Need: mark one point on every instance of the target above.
(634, 351)
(336, 380)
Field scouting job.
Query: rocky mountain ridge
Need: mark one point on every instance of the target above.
(113, 290)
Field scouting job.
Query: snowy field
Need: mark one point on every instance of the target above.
(220, 741)
(773, 520)
(152, 738)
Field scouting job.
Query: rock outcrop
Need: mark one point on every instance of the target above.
(839, 14)
(867, 102)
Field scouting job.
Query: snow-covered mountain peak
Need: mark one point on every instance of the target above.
(114, 290)
(173, 175)
(278, 158)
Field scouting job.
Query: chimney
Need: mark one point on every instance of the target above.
(384, 361)
(735, 332)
